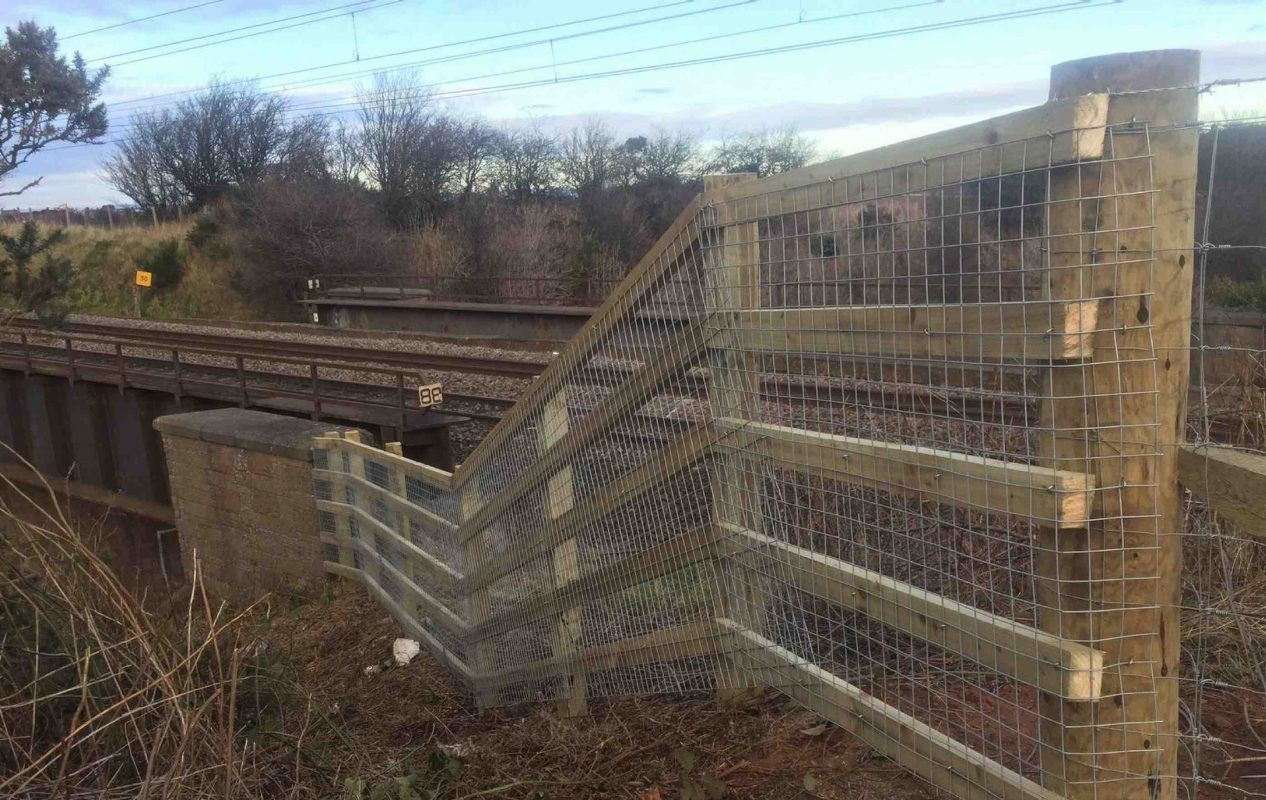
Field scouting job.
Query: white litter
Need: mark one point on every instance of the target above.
(372, 670)
(405, 650)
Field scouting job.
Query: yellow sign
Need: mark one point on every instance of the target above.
(430, 395)
(144, 278)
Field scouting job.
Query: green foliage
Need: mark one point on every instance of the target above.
(1239, 296)
(25, 288)
(202, 233)
(44, 98)
(165, 262)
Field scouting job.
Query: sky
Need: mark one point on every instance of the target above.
(893, 69)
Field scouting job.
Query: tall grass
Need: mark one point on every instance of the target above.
(99, 697)
(106, 263)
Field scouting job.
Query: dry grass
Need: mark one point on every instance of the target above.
(414, 721)
(106, 266)
(103, 697)
(100, 697)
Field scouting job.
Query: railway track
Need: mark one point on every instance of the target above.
(316, 356)
(254, 371)
(280, 348)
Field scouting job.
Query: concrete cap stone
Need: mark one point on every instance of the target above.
(246, 429)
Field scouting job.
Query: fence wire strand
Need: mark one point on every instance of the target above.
(885, 442)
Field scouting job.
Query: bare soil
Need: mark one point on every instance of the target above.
(398, 719)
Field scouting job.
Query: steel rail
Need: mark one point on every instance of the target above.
(270, 348)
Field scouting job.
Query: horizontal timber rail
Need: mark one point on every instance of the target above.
(904, 456)
(1232, 481)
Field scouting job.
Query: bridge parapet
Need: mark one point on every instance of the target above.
(241, 486)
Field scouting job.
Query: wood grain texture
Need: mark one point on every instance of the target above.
(691, 640)
(1059, 497)
(1233, 482)
(925, 751)
(1064, 131)
(971, 333)
(1123, 229)
(1064, 668)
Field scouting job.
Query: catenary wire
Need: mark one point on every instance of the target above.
(360, 5)
(443, 45)
(346, 106)
(139, 20)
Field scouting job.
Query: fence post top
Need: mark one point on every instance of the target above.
(722, 179)
(1125, 72)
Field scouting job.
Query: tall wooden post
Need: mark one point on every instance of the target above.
(559, 498)
(1122, 230)
(734, 393)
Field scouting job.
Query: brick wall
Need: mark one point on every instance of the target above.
(241, 486)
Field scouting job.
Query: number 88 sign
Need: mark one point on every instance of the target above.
(430, 395)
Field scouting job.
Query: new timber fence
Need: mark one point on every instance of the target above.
(930, 491)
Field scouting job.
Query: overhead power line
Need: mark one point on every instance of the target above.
(333, 12)
(1077, 5)
(313, 82)
(520, 70)
(444, 45)
(541, 42)
(962, 22)
(140, 19)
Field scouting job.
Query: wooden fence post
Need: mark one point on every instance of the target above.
(559, 498)
(734, 393)
(1122, 229)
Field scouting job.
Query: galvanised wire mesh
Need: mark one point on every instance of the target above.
(1223, 677)
(880, 440)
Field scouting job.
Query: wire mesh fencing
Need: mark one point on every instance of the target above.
(1223, 675)
(894, 435)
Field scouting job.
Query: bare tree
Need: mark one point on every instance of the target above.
(475, 144)
(343, 154)
(227, 136)
(664, 158)
(44, 99)
(587, 161)
(764, 152)
(306, 150)
(525, 164)
(409, 150)
(138, 172)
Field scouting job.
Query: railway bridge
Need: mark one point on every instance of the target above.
(78, 403)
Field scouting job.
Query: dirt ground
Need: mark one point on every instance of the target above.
(411, 724)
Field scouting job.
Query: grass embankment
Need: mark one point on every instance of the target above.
(105, 268)
(105, 696)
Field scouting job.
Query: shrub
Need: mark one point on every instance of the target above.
(24, 288)
(165, 262)
(1238, 295)
(204, 229)
(290, 231)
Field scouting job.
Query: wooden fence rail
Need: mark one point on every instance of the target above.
(984, 600)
